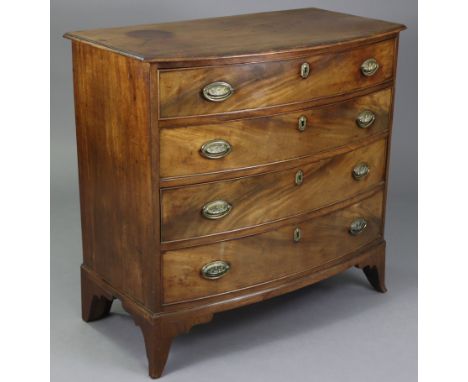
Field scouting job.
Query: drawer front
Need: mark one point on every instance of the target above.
(271, 255)
(259, 141)
(254, 200)
(213, 90)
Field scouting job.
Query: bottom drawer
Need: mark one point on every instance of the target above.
(205, 271)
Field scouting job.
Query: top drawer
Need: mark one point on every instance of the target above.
(214, 90)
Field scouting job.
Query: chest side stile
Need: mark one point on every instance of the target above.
(156, 264)
(390, 131)
(112, 107)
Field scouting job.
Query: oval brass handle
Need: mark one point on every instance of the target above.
(216, 209)
(302, 123)
(218, 91)
(365, 119)
(360, 171)
(357, 226)
(297, 235)
(369, 67)
(215, 149)
(299, 178)
(305, 70)
(215, 269)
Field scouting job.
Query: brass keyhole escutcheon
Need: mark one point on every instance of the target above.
(299, 178)
(297, 235)
(302, 123)
(305, 70)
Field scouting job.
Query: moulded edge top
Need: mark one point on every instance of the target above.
(237, 36)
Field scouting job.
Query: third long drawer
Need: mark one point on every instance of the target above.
(212, 208)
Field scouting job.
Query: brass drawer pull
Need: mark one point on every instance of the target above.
(215, 269)
(369, 67)
(218, 91)
(365, 119)
(215, 149)
(216, 209)
(297, 235)
(302, 123)
(299, 178)
(305, 70)
(357, 226)
(361, 171)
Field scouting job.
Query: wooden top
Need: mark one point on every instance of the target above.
(237, 36)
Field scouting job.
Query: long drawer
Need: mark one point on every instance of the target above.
(247, 143)
(223, 206)
(221, 89)
(209, 270)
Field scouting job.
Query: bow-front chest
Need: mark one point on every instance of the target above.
(230, 160)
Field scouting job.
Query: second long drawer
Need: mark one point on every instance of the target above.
(247, 143)
(224, 206)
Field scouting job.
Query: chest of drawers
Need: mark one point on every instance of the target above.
(229, 160)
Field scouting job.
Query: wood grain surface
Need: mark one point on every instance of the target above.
(114, 155)
(141, 120)
(271, 139)
(268, 197)
(273, 83)
(263, 112)
(269, 256)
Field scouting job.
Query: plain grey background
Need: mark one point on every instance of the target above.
(337, 330)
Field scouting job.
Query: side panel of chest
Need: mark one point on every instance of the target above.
(120, 234)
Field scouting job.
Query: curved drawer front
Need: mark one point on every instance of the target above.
(260, 141)
(214, 90)
(272, 196)
(266, 257)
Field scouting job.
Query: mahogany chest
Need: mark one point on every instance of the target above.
(229, 160)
